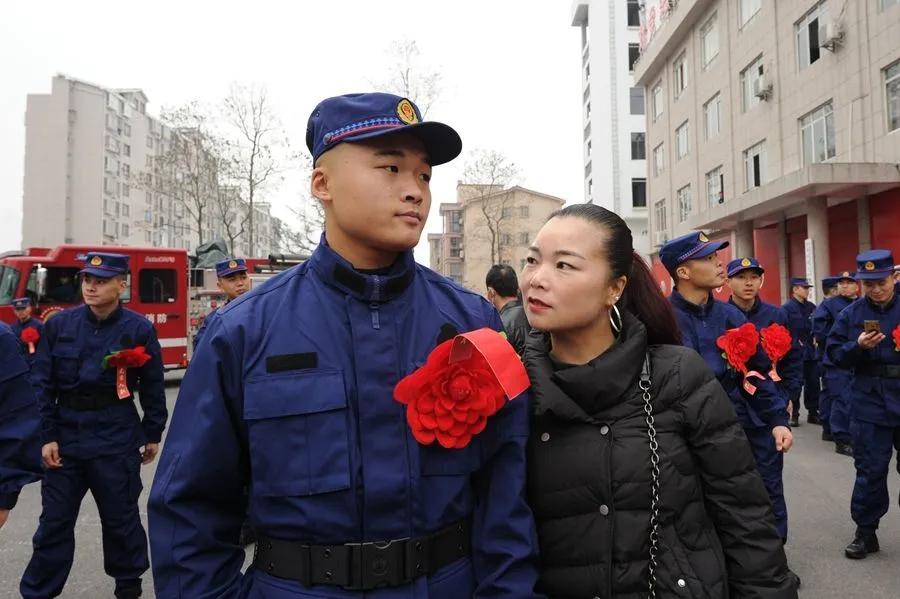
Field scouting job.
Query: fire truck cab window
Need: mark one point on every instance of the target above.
(158, 285)
(9, 281)
(63, 285)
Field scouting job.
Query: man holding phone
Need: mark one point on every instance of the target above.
(863, 340)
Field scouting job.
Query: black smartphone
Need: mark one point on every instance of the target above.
(871, 326)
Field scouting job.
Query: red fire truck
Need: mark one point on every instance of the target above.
(160, 286)
(157, 288)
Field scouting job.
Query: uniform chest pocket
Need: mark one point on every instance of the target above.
(298, 431)
(66, 360)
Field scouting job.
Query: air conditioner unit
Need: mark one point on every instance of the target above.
(762, 87)
(831, 35)
(721, 197)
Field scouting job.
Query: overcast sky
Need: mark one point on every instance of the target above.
(510, 72)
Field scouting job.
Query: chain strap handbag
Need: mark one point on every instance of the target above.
(645, 385)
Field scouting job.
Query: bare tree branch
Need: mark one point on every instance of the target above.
(408, 77)
(258, 147)
(488, 173)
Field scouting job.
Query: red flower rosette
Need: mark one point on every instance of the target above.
(30, 337)
(123, 360)
(776, 341)
(739, 345)
(464, 381)
(896, 335)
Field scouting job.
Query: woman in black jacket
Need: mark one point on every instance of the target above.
(635, 494)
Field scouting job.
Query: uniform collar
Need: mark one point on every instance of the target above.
(757, 304)
(113, 316)
(884, 308)
(369, 287)
(699, 310)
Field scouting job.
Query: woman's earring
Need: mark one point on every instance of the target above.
(616, 326)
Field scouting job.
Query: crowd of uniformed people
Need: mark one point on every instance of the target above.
(645, 460)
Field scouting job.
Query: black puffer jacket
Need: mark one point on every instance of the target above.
(589, 480)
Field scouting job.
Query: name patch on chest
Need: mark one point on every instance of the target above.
(286, 362)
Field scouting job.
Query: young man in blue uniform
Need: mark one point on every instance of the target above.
(22, 309)
(694, 265)
(233, 281)
(799, 311)
(861, 341)
(834, 406)
(91, 432)
(745, 278)
(294, 386)
(20, 441)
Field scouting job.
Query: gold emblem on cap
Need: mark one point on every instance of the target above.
(406, 112)
(232, 264)
(96, 261)
(869, 266)
(703, 238)
(845, 274)
(746, 262)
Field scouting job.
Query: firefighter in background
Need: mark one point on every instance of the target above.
(91, 360)
(233, 281)
(799, 310)
(27, 328)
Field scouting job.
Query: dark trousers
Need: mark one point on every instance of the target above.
(115, 483)
(873, 448)
(838, 389)
(770, 463)
(811, 387)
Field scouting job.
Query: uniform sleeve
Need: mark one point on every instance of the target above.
(842, 347)
(790, 369)
(20, 447)
(821, 324)
(197, 503)
(733, 490)
(45, 388)
(199, 334)
(504, 535)
(153, 390)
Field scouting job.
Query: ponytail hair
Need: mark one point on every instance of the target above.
(642, 297)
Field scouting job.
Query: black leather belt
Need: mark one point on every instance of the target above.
(363, 566)
(89, 402)
(888, 371)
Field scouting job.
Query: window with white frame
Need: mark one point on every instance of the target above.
(684, 203)
(125, 231)
(715, 184)
(892, 94)
(755, 166)
(817, 135)
(748, 9)
(638, 146)
(712, 113)
(634, 13)
(636, 95)
(658, 100)
(639, 193)
(660, 218)
(750, 82)
(524, 212)
(682, 143)
(680, 75)
(807, 33)
(659, 160)
(634, 52)
(709, 40)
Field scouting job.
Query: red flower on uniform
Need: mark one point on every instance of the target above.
(127, 358)
(30, 335)
(776, 341)
(448, 402)
(739, 345)
(896, 335)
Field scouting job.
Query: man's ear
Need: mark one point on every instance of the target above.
(683, 273)
(319, 183)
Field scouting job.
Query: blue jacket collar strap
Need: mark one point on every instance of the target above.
(368, 287)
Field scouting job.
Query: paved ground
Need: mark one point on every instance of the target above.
(817, 480)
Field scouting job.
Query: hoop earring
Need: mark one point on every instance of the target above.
(616, 326)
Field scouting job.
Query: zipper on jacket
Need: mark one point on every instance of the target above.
(373, 306)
